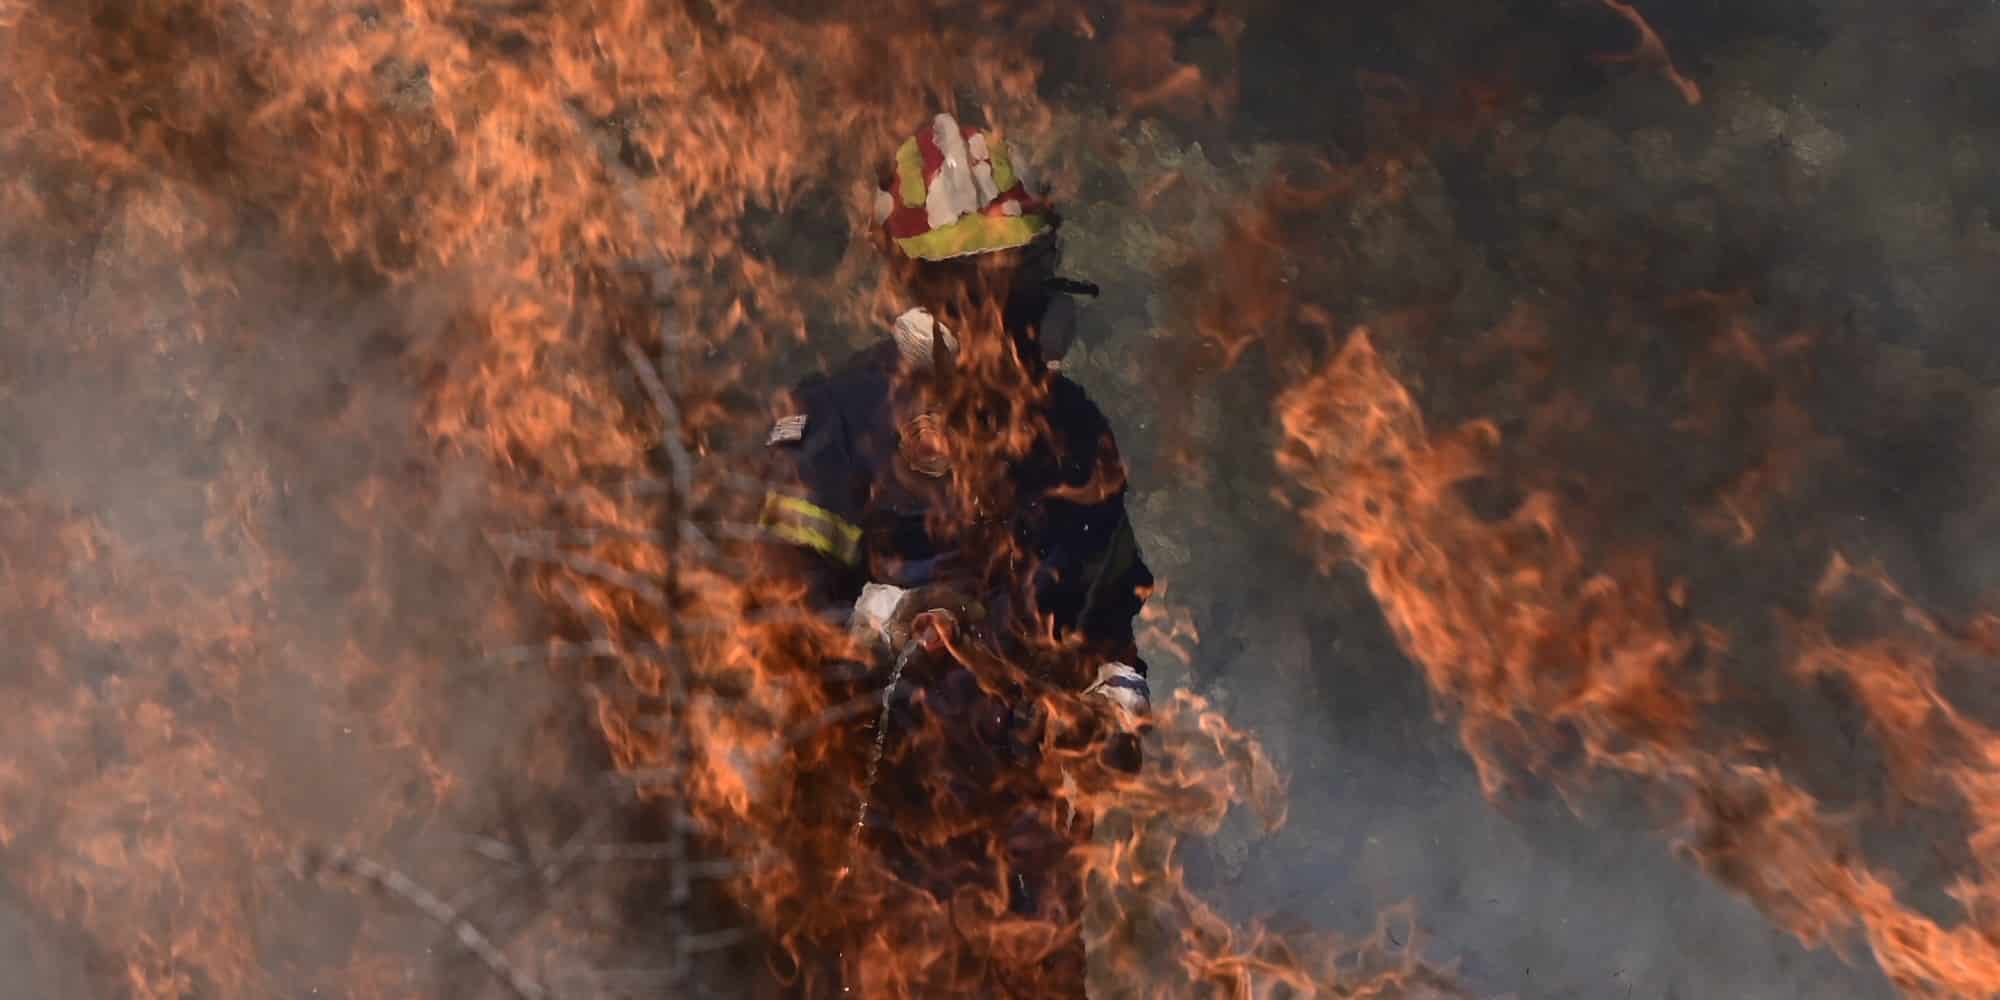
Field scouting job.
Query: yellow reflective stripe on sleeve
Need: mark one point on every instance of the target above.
(849, 534)
(811, 526)
(804, 537)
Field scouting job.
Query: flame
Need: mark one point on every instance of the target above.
(1536, 646)
(485, 175)
(1510, 622)
(466, 189)
(1650, 50)
(1786, 442)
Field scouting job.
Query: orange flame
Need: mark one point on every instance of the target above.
(468, 186)
(1535, 650)
(1652, 51)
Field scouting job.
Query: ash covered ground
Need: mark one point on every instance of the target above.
(1829, 196)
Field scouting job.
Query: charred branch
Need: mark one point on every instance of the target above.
(314, 862)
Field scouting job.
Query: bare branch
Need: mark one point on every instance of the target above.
(851, 708)
(670, 416)
(739, 532)
(693, 944)
(654, 776)
(645, 982)
(314, 861)
(587, 566)
(585, 536)
(605, 854)
(649, 486)
(555, 651)
(644, 487)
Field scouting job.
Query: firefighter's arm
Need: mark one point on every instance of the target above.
(808, 519)
(1095, 554)
(1092, 560)
(1115, 582)
(1117, 590)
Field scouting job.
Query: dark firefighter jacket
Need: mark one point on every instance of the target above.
(846, 494)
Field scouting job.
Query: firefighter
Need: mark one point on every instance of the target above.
(951, 472)
(865, 503)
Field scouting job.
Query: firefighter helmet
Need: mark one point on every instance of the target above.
(956, 191)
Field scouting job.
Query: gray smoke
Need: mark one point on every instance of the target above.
(1838, 171)
(269, 514)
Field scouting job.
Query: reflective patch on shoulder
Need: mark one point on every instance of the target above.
(787, 430)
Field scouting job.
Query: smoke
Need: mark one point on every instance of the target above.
(1743, 334)
(234, 570)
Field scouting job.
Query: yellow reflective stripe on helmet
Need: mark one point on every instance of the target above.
(1003, 164)
(910, 170)
(811, 526)
(975, 234)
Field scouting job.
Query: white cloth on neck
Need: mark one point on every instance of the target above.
(916, 334)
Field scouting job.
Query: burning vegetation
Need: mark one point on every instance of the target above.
(387, 390)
